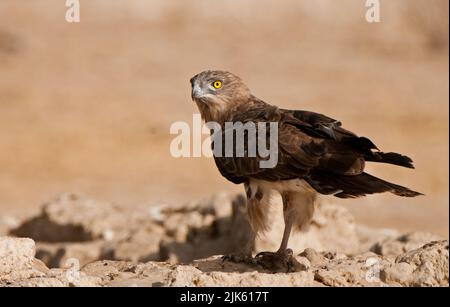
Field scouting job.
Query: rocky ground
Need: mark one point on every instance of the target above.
(77, 241)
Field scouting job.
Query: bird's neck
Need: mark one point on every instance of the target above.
(227, 112)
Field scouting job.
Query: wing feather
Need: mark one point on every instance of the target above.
(307, 141)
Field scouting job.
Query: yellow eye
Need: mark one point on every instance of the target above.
(217, 84)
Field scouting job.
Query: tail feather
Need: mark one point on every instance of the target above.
(390, 158)
(356, 186)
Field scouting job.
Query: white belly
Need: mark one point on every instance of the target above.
(283, 186)
(296, 196)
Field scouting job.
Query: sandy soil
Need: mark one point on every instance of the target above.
(87, 107)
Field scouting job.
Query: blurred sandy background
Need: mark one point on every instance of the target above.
(87, 107)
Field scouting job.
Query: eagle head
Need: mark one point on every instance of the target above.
(216, 92)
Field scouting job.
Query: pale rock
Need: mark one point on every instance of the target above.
(430, 263)
(368, 236)
(17, 259)
(56, 255)
(393, 246)
(74, 218)
(76, 232)
(315, 258)
(399, 273)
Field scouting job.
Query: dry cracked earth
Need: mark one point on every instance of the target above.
(78, 241)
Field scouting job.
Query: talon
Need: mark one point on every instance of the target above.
(289, 252)
(225, 258)
(281, 261)
(261, 254)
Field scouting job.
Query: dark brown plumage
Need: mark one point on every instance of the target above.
(313, 148)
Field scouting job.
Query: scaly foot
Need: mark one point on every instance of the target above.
(278, 262)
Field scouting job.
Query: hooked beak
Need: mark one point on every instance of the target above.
(197, 92)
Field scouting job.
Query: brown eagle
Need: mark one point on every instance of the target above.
(315, 155)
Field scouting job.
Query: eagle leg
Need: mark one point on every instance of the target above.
(288, 223)
(283, 259)
(298, 208)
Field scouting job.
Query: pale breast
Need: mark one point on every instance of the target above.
(282, 186)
